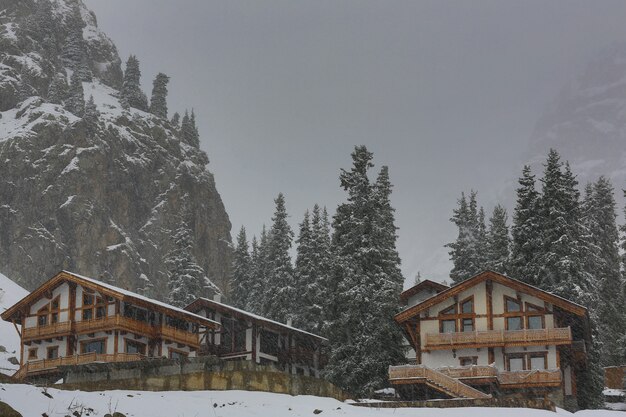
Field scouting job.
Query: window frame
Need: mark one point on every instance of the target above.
(441, 323)
(473, 359)
(83, 343)
(33, 353)
(52, 349)
(142, 351)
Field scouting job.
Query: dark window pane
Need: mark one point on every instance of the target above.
(269, 343)
(468, 325)
(42, 320)
(535, 322)
(87, 314)
(468, 306)
(53, 353)
(94, 346)
(448, 326)
(514, 323)
(100, 312)
(512, 305)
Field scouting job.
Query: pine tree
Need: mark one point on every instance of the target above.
(91, 116)
(131, 88)
(75, 102)
(189, 131)
(468, 251)
(241, 282)
(187, 279)
(280, 285)
(304, 273)
(603, 267)
(526, 245)
(113, 75)
(498, 241)
(175, 120)
(75, 55)
(364, 338)
(260, 267)
(57, 90)
(158, 102)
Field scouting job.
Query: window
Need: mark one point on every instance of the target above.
(468, 325)
(55, 317)
(135, 347)
(32, 353)
(177, 354)
(449, 310)
(97, 346)
(269, 342)
(42, 320)
(535, 322)
(448, 326)
(516, 363)
(100, 312)
(467, 306)
(514, 323)
(538, 361)
(88, 314)
(468, 360)
(512, 305)
(55, 304)
(87, 299)
(53, 352)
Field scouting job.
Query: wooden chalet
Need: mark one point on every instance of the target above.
(246, 336)
(491, 335)
(72, 319)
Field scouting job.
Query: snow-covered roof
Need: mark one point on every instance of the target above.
(140, 297)
(255, 317)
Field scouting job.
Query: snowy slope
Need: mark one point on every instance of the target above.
(31, 401)
(10, 293)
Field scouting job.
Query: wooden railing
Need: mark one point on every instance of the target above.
(435, 341)
(474, 371)
(91, 357)
(529, 378)
(450, 385)
(49, 330)
(181, 336)
(114, 322)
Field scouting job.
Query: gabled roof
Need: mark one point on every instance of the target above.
(237, 312)
(422, 285)
(104, 289)
(495, 277)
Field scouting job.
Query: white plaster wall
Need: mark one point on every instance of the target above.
(42, 349)
(439, 358)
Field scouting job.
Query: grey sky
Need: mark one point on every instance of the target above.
(444, 92)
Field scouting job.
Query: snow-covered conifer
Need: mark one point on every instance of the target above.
(57, 90)
(75, 101)
(91, 116)
(131, 87)
(498, 241)
(241, 282)
(158, 102)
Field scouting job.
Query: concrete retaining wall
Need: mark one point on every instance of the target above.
(463, 402)
(203, 373)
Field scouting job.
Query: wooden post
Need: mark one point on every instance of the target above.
(489, 285)
(418, 342)
(71, 317)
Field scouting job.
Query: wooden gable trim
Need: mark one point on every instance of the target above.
(500, 279)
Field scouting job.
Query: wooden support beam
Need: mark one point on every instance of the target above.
(489, 285)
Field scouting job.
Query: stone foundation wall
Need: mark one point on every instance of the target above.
(203, 373)
(465, 402)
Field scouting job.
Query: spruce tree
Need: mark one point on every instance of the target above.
(91, 116)
(186, 280)
(498, 241)
(305, 273)
(75, 55)
(75, 102)
(175, 120)
(189, 130)
(57, 90)
(526, 245)
(280, 285)
(131, 93)
(260, 266)
(158, 102)
(603, 266)
(241, 282)
(467, 252)
(364, 339)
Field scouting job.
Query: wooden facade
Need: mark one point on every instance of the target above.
(72, 319)
(247, 336)
(493, 333)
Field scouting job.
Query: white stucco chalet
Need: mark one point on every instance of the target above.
(491, 335)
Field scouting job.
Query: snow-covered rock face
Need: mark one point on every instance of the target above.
(587, 122)
(101, 200)
(10, 293)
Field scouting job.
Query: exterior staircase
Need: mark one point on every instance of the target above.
(434, 379)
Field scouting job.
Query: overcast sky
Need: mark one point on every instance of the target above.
(444, 92)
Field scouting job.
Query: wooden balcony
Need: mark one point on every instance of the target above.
(45, 365)
(180, 336)
(467, 372)
(114, 323)
(47, 331)
(491, 338)
(534, 378)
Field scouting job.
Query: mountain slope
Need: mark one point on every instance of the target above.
(101, 196)
(587, 121)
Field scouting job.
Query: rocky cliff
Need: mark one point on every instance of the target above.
(101, 197)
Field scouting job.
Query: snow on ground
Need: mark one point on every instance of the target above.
(10, 293)
(34, 401)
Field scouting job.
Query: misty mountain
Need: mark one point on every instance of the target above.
(586, 123)
(95, 187)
